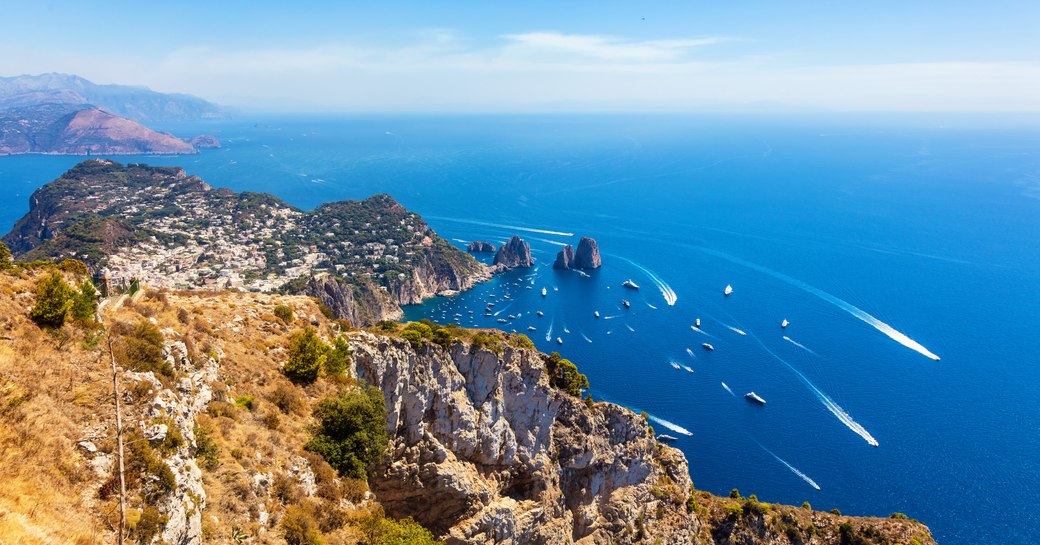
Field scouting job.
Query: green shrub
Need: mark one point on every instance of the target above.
(352, 431)
(139, 348)
(519, 340)
(735, 494)
(424, 330)
(207, 452)
(246, 402)
(387, 325)
(406, 531)
(54, 299)
(307, 355)
(339, 358)
(488, 341)
(148, 525)
(284, 313)
(6, 262)
(806, 505)
(413, 337)
(836, 512)
(564, 375)
(74, 266)
(286, 397)
(899, 516)
(85, 302)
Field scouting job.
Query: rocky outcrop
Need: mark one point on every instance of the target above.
(360, 305)
(587, 256)
(564, 258)
(513, 254)
(480, 246)
(204, 141)
(484, 450)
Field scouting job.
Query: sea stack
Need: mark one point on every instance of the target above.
(480, 246)
(565, 258)
(513, 254)
(587, 256)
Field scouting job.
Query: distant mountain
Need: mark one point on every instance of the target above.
(66, 129)
(138, 103)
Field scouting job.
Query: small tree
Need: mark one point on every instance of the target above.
(307, 355)
(339, 357)
(85, 303)
(53, 301)
(284, 313)
(6, 262)
(564, 375)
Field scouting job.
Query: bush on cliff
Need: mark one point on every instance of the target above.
(307, 354)
(85, 302)
(351, 431)
(139, 348)
(339, 358)
(6, 262)
(386, 531)
(54, 299)
(564, 375)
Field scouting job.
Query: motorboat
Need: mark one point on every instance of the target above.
(728, 290)
(665, 438)
(708, 346)
(625, 303)
(752, 396)
(596, 314)
(697, 322)
(630, 284)
(544, 292)
(785, 323)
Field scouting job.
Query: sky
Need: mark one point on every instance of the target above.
(545, 56)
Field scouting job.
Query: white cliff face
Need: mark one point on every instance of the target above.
(484, 450)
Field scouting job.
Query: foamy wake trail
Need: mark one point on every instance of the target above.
(857, 312)
(611, 317)
(829, 403)
(799, 345)
(724, 385)
(586, 337)
(651, 306)
(460, 240)
(735, 330)
(503, 309)
(548, 334)
(793, 469)
(503, 226)
(548, 241)
(669, 294)
(630, 328)
(674, 427)
(690, 352)
(702, 332)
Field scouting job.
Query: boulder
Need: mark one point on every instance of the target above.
(480, 246)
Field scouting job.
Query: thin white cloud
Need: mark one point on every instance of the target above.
(544, 71)
(607, 48)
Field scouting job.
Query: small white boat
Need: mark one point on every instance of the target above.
(583, 273)
(752, 396)
(490, 304)
(596, 314)
(728, 290)
(565, 330)
(630, 284)
(544, 292)
(625, 303)
(665, 438)
(687, 368)
(511, 317)
(540, 313)
(532, 328)
(708, 346)
(559, 340)
(676, 365)
(502, 320)
(785, 323)
(697, 322)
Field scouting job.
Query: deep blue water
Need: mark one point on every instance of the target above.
(929, 225)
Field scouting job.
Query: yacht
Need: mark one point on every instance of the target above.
(544, 292)
(752, 396)
(708, 346)
(664, 438)
(625, 303)
(697, 322)
(559, 340)
(532, 328)
(596, 314)
(540, 313)
(630, 284)
(502, 320)
(728, 290)
(785, 323)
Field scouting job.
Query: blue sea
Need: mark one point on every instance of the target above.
(883, 240)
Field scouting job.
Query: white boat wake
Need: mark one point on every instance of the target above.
(702, 332)
(687, 368)
(548, 334)
(799, 345)
(827, 402)
(630, 328)
(735, 330)
(548, 241)
(503, 226)
(690, 352)
(724, 385)
(586, 337)
(651, 306)
(669, 294)
(674, 427)
(793, 469)
(857, 312)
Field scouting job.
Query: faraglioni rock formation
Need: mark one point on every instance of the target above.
(587, 256)
(564, 258)
(480, 246)
(514, 254)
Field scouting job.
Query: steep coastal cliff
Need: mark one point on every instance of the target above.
(484, 447)
(514, 254)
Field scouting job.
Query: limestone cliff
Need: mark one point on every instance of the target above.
(564, 258)
(514, 254)
(484, 450)
(587, 256)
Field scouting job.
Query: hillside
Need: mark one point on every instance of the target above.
(138, 103)
(486, 444)
(363, 259)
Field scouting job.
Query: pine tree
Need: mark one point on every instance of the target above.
(54, 298)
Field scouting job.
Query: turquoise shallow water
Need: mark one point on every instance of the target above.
(932, 230)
